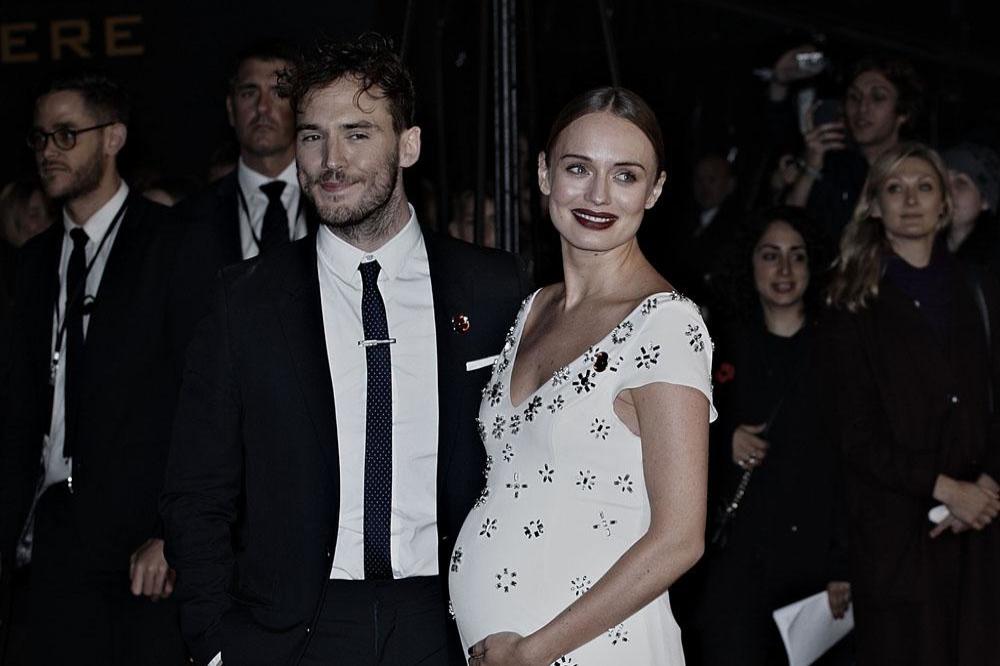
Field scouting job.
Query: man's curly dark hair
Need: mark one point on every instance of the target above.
(370, 58)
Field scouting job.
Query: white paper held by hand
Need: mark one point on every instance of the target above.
(809, 629)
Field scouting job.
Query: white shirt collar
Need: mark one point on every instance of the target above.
(250, 180)
(99, 223)
(343, 258)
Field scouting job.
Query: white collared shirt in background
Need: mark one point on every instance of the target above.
(405, 284)
(256, 201)
(57, 468)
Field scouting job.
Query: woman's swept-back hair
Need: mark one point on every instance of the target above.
(858, 267)
(619, 102)
(370, 58)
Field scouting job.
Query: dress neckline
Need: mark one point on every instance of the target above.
(519, 334)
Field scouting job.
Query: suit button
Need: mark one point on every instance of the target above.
(954, 399)
(444, 538)
(308, 629)
(795, 528)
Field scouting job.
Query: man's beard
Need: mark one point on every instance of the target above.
(372, 216)
(82, 181)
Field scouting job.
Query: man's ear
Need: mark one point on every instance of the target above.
(657, 190)
(114, 138)
(229, 111)
(409, 146)
(543, 174)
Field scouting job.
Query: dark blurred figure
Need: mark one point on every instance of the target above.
(168, 191)
(974, 182)
(784, 542)
(708, 224)
(25, 212)
(87, 425)
(843, 136)
(222, 161)
(463, 226)
(913, 342)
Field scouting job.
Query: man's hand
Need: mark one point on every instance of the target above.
(149, 572)
(838, 594)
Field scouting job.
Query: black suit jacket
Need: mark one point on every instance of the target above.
(123, 428)
(252, 492)
(212, 240)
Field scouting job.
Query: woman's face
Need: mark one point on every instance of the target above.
(780, 266)
(911, 201)
(600, 179)
(968, 200)
(870, 109)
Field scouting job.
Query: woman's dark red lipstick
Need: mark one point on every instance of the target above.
(592, 219)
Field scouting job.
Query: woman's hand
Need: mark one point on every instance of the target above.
(971, 503)
(502, 649)
(838, 594)
(950, 523)
(986, 482)
(749, 449)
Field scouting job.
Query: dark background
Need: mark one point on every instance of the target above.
(692, 60)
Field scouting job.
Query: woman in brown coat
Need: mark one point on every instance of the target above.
(914, 339)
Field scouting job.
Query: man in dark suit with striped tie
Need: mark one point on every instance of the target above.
(327, 418)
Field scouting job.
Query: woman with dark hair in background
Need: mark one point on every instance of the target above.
(595, 423)
(914, 348)
(781, 544)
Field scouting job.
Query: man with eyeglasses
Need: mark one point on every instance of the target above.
(86, 432)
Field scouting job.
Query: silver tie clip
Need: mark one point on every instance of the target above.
(373, 343)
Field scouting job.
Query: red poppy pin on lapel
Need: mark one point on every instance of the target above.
(460, 323)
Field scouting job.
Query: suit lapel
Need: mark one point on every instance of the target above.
(228, 216)
(452, 296)
(104, 349)
(301, 316)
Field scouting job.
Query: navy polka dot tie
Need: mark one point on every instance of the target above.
(378, 428)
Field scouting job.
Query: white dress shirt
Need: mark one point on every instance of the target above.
(405, 284)
(57, 468)
(252, 216)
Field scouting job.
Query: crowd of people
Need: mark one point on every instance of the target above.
(250, 423)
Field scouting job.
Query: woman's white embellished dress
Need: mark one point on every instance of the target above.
(564, 495)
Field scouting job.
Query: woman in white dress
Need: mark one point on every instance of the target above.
(595, 424)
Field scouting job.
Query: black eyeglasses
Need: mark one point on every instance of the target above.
(64, 137)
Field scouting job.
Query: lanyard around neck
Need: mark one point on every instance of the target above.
(246, 214)
(77, 294)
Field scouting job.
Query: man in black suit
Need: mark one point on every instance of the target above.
(257, 206)
(326, 450)
(87, 430)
